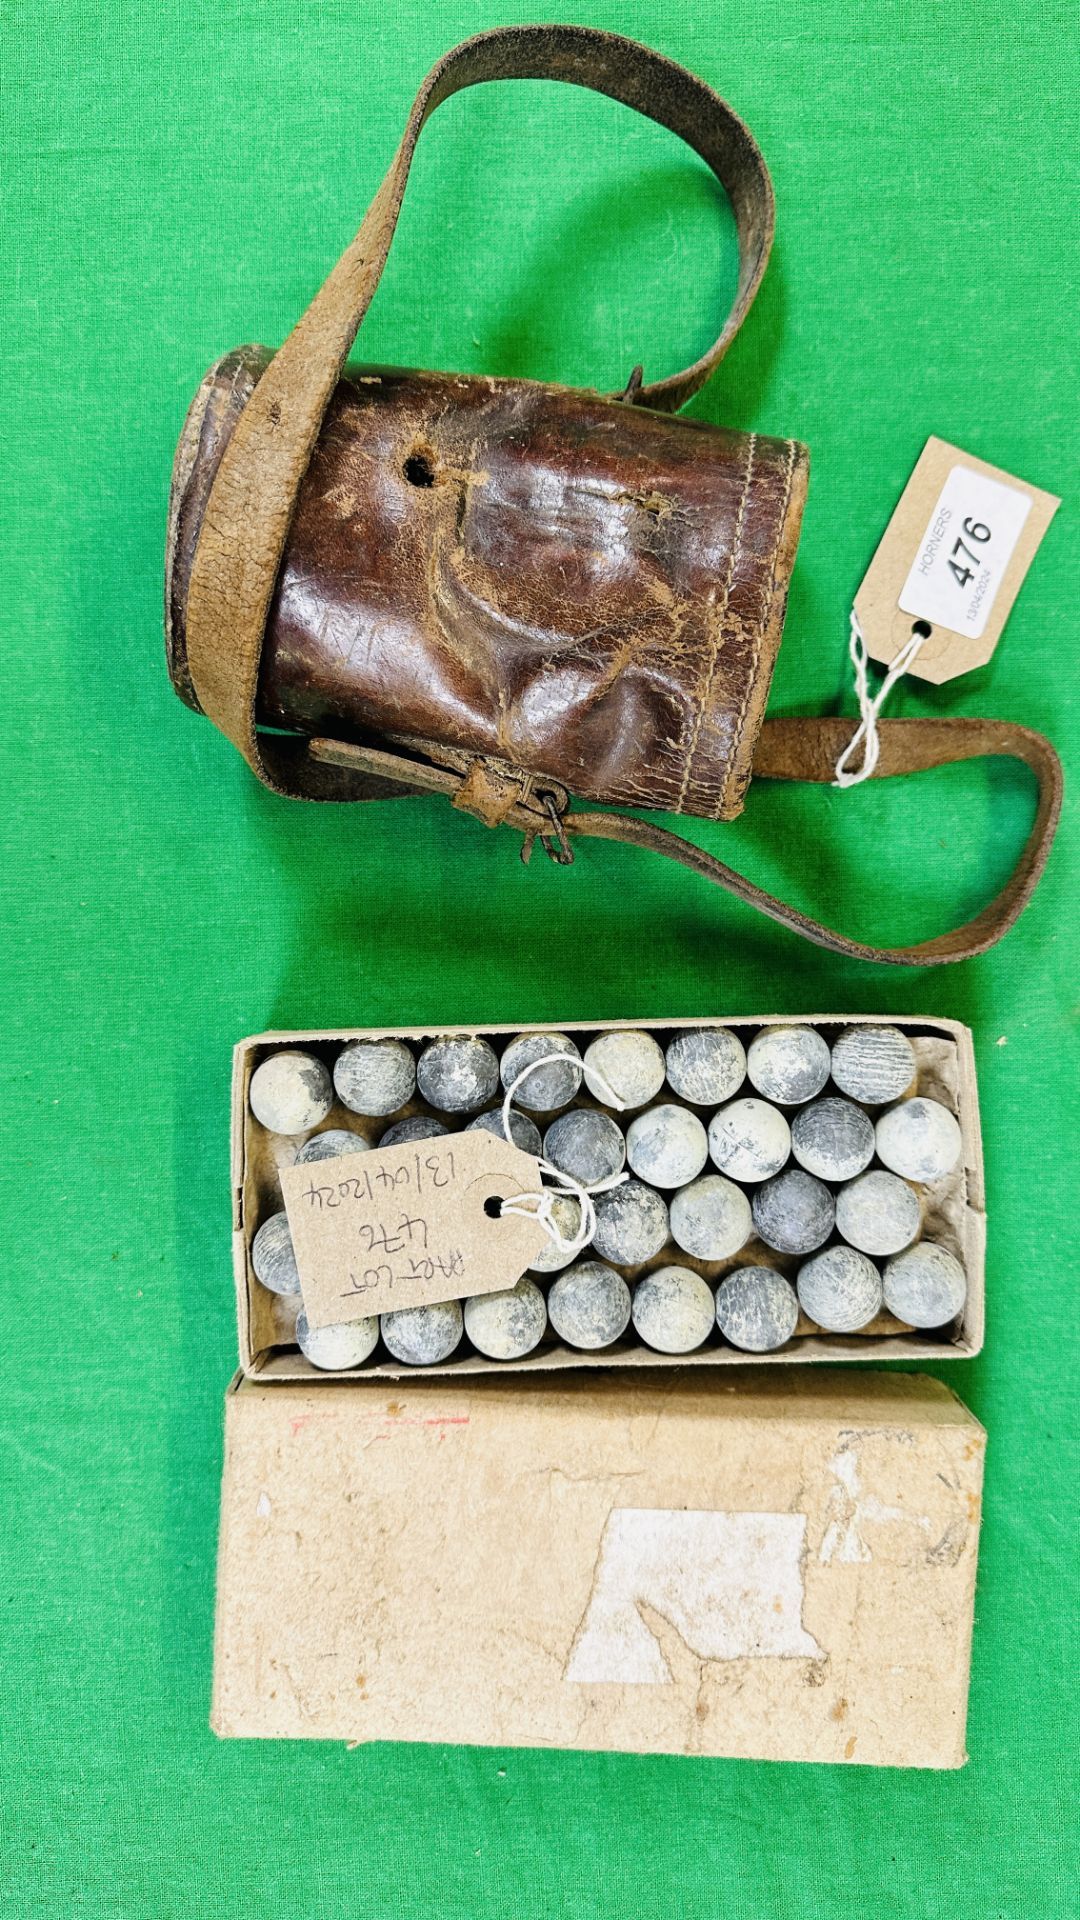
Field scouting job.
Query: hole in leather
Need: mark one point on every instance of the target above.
(922, 628)
(493, 1207)
(419, 469)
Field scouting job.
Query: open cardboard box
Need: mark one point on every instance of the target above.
(605, 1551)
(954, 1214)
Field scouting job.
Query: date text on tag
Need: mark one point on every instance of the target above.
(407, 1226)
(952, 560)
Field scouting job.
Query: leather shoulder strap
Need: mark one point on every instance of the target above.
(247, 517)
(796, 750)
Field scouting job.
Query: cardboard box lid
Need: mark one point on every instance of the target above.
(775, 1566)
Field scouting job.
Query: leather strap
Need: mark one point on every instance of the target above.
(247, 516)
(798, 750)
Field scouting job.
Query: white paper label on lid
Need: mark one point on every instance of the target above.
(969, 540)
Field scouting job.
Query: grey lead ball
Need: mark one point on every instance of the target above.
(375, 1077)
(331, 1145)
(552, 1258)
(840, 1290)
(878, 1213)
(418, 1126)
(422, 1336)
(794, 1213)
(756, 1309)
(589, 1307)
(626, 1064)
(273, 1258)
(549, 1087)
(749, 1140)
(585, 1144)
(919, 1139)
(673, 1310)
(926, 1286)
(873, 1064)
(348, 1343)
(706, 1066)
(711, 1218)
(631, 1224)
(506, 1325)
(832, 1139)
(524, 1133)
(458, 1073)
(667, 1146)
(788, 1064)
(290, 1092)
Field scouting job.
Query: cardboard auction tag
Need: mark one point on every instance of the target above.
(952, 559)
(407, 1226)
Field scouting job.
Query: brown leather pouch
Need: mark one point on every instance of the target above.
(383, 581)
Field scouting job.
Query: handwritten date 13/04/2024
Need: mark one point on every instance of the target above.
(408, 1234)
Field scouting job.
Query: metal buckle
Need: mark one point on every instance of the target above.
(554, 841)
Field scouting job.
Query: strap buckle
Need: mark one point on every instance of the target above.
(553, 839)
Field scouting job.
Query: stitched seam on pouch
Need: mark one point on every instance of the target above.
(762, 626)
(714, 656)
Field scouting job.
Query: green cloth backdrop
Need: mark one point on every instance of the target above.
(177, 179)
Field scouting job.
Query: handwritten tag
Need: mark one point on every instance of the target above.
(407, 1226)
(952, 559)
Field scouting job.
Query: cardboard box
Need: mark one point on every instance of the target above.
(955, 1215)
(773, 1565)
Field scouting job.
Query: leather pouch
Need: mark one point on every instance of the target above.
(383, 581)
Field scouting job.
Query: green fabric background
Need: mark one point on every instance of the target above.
(177, 179)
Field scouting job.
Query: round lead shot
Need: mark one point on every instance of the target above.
(878, 1213)
(589, 1307)
(273, 1258)
(673, 1310)
(631, 1224)
(707, 1066)
(749, 1140)
(626, 1064)
(549, 1087)
(509, 1324)
(873, 1064)
(375, 1077)
(832, 1139)
(756, 1309)
(291, 1092)
(789, 1065)
(585, 1144)
(794, 1213)
(667, 1146)
(423, 1336)
(458, 1073)
(840, 1290)
(347, 1343)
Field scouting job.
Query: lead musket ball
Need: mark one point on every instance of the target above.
(348, 1343)
(290, 1092)
(548, 1087)
(873, 1064)
(920, 1139)
(711, 1218)
(832, 1139)
(631, 1224)
(749, 1140)
(589, 1307)
(509, 1324)
(422, 1336)
(418, 1126)
(375, 1077)
(585, 1144)
(756, 1309)
(524, 1133)
(331, 1145)
(673, 1310)
(878, 1213)
(707, 1066)
(627, 1065)
(552, 1257)
(458, 1073)
(794, 1213)
(840, 1290)
(925, 1287)
(273, 1258)
(788, 1064)
(667, 1146)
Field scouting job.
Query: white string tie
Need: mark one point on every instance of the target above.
(866, 733)
(541, 1206)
